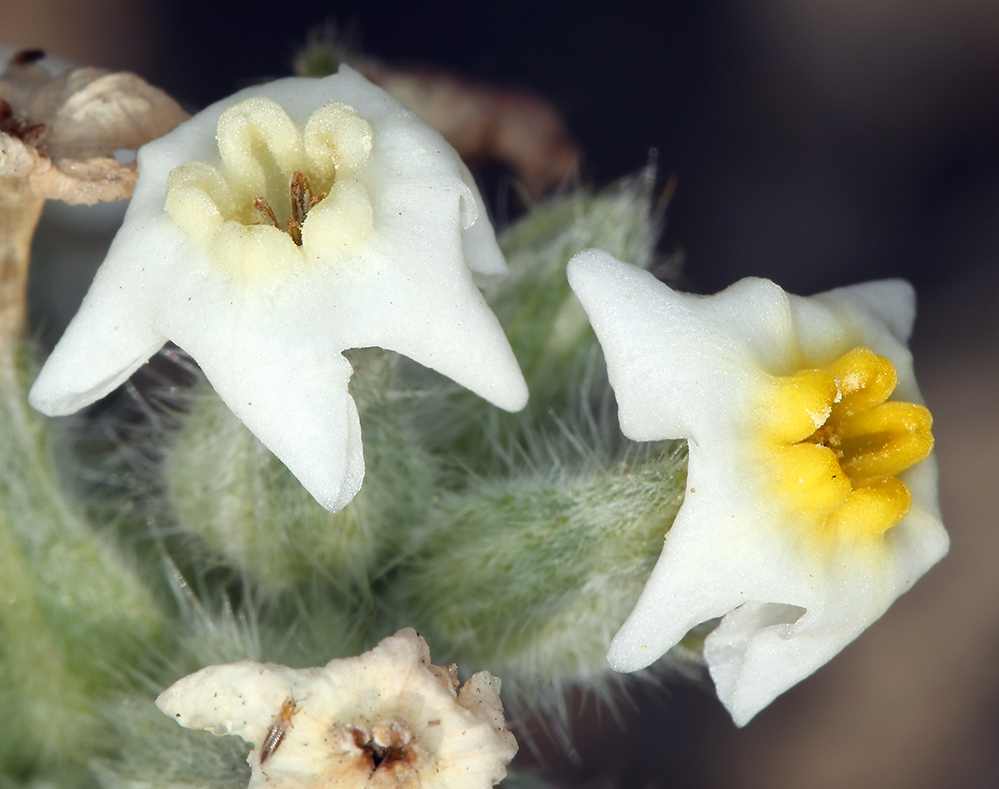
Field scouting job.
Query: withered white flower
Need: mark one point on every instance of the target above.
(388, 718)
(272, 231)
(811, 496)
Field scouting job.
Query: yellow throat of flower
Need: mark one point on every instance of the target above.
(282, 196)
(835, 445)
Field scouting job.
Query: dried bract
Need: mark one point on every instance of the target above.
(61, 132)
(485, 123)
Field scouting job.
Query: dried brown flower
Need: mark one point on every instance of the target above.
(387, 719)
(484, 122)
(61, 132)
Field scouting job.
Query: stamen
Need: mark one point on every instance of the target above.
(295, 231)
(258, 140)
(842, 476)
(301, 198)
(263, 213)
(302, 201)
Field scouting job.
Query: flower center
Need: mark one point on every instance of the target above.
(386, 754)
(836, 445)
(302, 201)
(278, 196)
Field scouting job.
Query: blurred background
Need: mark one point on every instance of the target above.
(814, 142)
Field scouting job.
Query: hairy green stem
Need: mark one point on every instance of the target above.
(531, 576)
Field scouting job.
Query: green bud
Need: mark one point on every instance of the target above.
(544, 321)
(252, 513)
(546, 325)
(530, 577)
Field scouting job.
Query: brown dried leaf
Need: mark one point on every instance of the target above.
(96, 180)
(485, 123)
(17, 160)
(78, 119)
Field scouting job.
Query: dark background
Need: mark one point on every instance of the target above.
(815, 142)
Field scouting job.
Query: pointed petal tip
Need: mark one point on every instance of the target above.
(482, 362)
(628, 654)
(334, 498)
(746, 699)
(740, 717)
(90, 361)
(62, 389)
(601, 281)
(45, 401)
(498, 377)
(332, 480)
(587, 263)
(513, 396)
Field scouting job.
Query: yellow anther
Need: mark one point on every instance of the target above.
(811, 479)
(801, 405)
(834, 446)
(886, 440)
(871, 510)
(865, 380)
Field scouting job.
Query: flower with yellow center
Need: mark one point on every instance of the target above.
(274, 230)
(811, 499)
(387, 719)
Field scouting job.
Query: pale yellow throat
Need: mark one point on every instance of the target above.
(834, 446)
(281, 197)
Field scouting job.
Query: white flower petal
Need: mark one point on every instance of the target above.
(386, 259)
(290, 394)
(693, 388)
(112, 334)
(479, 242)
(891, 301)
(876, 314)
(702, 368)
(435, 316)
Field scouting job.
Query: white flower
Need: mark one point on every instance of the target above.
(387, 718)
(810, 503)
(275, 229)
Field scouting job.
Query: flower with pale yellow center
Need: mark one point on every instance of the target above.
(811, 495)
(387, 719)
(274, 230)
